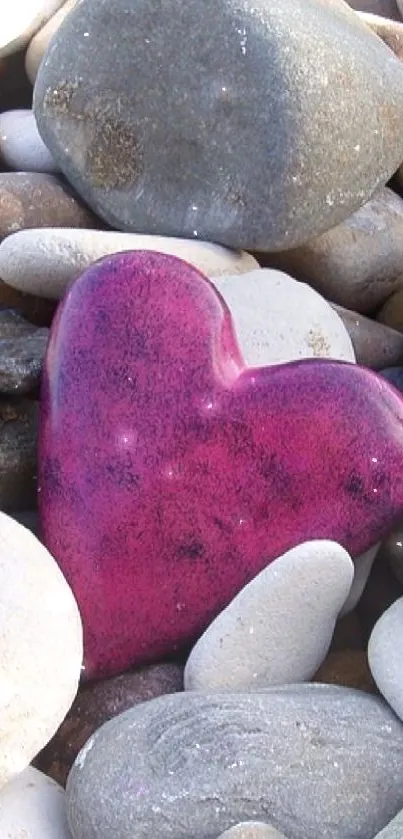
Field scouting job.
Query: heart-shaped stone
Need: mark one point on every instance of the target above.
(170, 474)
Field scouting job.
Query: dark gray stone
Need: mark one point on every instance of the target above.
(313, 760)
(18, 435)
(253, 124)
(22, 349)
(385, 8)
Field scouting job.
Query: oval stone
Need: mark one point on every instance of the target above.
(314, 760)
(273, 128)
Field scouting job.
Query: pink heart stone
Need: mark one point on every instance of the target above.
(170, 475)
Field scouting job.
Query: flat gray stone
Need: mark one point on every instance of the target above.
(22, 350)
(256, 125)
(313, 760)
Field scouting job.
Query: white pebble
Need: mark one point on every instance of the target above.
(40, 647)
(21, 146)
(44, 261)
(20, 19)
(252, 830)
(291, 608)
(385, 655)
(32, 806)
(278, 319)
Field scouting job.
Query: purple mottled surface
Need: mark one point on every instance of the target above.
(170, 474)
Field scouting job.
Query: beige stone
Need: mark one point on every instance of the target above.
(44, 262)
(357, 264)
(40, 647)
(41, 40)
(391, 313)
(391, 31)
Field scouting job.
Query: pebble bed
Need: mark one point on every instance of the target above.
(201, 419)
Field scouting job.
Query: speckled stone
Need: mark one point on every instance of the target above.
(32, 199)
(358, 263)
(22, 349)
(386, 8)
(385, 655)
(375, 345)
(18, 462)
(391, 313)
(174, 163)
(252, 830)
(347, 668)
(391, 31)
(161, 453)
(278, 629)
(98, 702)
(313, 760)
(45, 261)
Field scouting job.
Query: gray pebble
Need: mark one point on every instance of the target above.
(312, 760)
(385, 655)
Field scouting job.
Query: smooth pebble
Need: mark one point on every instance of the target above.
(313, 760)
(32, 806)
(21, 146)
(358, 263)
(278, 629)
(278, 319)
(40, 647)
(45, 261)
(41, 40)
(385, 655)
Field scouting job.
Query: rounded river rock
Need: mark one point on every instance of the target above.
(158, 145)
(313, 760)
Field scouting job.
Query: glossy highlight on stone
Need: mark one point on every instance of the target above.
(170, 474)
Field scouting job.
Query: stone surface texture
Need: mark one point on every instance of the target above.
(44, 262)
(40, 647)
(202, 157)
(278, 629)
(313, 760)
